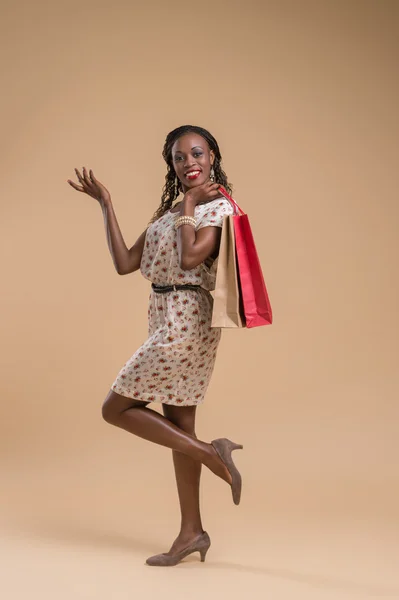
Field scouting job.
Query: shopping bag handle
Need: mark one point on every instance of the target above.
(228, 197)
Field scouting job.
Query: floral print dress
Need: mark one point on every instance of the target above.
(174, 365)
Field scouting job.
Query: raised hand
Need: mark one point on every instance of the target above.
(91, 186)
(203, 193)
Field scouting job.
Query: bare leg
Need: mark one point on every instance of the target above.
(136, 418)
(188, 474)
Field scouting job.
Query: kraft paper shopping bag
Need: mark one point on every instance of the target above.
(227, 304)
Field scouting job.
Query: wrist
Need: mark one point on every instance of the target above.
(187, 206)
(106, 208)
(188, 197)
(105, 202)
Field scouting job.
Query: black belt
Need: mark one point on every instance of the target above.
(161, 289)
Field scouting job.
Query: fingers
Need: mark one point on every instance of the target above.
(84, 180)
(214, 189)
(74, 185)
(86, 184)
(85, 177)
(78, 175)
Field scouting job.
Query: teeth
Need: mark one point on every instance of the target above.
(192, 173)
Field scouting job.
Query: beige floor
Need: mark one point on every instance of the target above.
(70, 534)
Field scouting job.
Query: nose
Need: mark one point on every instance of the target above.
(189, 162)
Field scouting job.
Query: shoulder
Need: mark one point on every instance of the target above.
(219, 205)
(213, 213)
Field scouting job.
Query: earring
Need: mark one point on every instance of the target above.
(176, 184)
(212, 175)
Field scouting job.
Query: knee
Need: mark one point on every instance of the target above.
(109, 414)
(114, 407)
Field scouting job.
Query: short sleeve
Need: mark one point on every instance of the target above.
(214, 213)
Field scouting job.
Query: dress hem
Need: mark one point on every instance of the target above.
(156, 398)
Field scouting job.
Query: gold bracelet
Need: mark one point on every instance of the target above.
(186, 217)
(185, 220)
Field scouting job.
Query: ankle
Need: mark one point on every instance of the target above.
(207, 453)
(190, 532)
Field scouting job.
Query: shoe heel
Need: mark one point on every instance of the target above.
(234, 446)
(203, 552)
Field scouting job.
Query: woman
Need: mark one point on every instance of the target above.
(174, 365)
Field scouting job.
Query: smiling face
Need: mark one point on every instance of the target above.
(192, 160)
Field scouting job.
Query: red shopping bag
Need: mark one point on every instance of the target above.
(257, 308)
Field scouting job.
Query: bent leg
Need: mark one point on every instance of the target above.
(135, 417)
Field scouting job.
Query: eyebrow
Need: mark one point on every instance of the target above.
(193, 148)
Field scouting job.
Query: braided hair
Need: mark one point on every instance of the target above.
(173, 186)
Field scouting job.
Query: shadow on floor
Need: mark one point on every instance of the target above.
(73, 534)
(78, 535)
(322, 581)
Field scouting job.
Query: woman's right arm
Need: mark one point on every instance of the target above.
(125, 260)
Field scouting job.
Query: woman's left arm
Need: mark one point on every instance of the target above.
(193, 246)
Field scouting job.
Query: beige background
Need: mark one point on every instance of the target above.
(303, 99)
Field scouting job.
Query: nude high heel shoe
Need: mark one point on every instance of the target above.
(201, 545)
(224, 448)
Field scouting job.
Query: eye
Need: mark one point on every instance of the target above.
(197, 153)
(178, 158)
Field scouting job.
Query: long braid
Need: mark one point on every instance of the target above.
(170, 190)
(220, 176)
